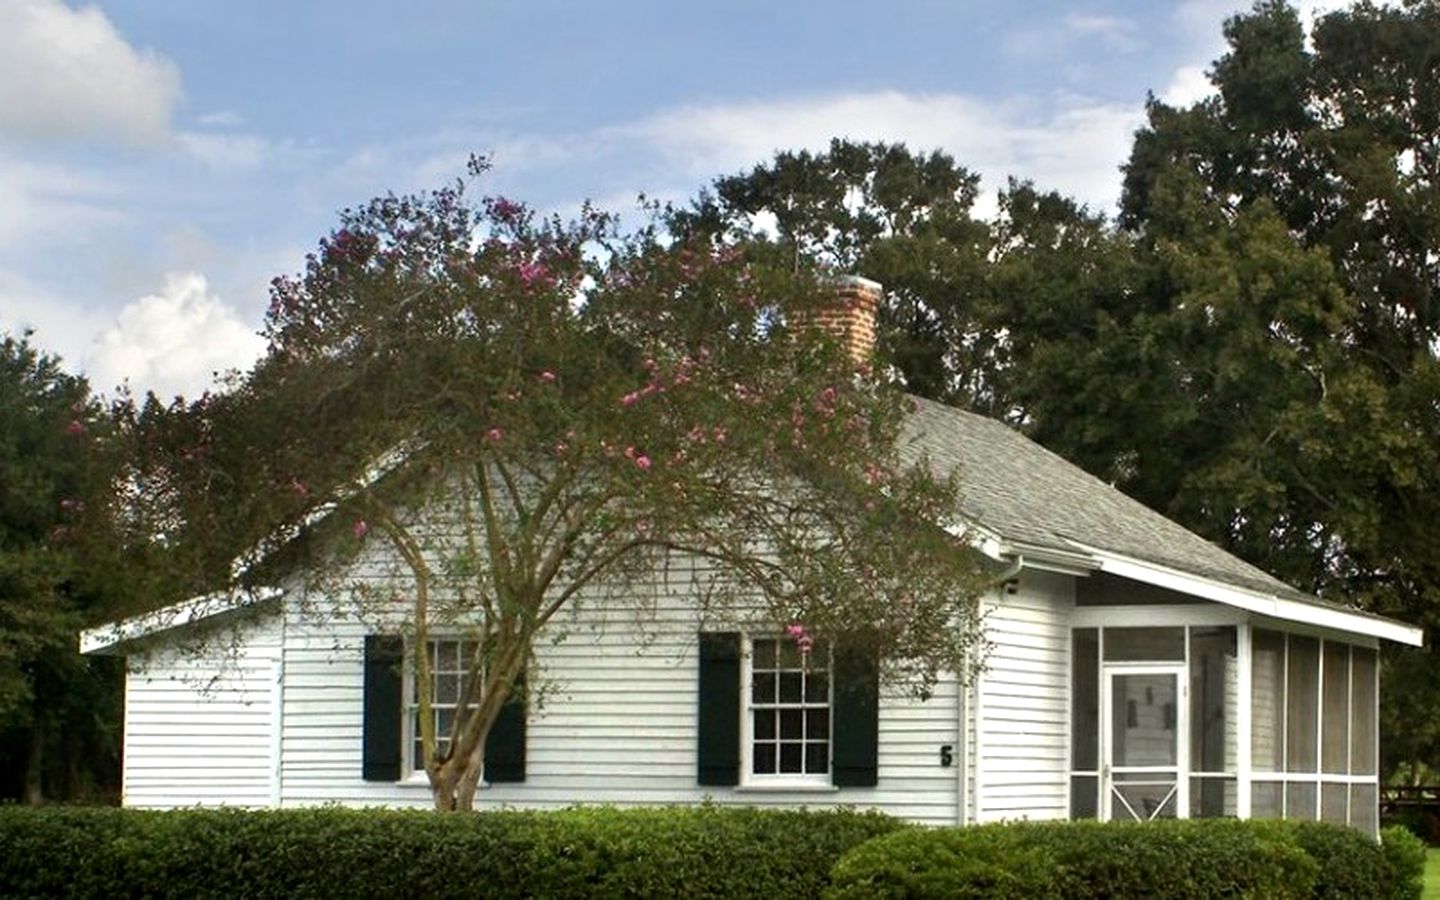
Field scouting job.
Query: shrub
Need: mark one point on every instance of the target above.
(1185, 859)
(1405, 857)
(704, 851)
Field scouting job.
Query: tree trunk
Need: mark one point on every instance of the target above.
(34, 788)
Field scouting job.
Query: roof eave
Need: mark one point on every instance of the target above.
(112, 638)
(1288, 609)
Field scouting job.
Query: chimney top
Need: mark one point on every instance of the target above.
(850, 317)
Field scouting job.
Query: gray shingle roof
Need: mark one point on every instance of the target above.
(1022, 492)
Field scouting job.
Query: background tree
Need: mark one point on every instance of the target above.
(60, 565)
(1342, 141)
(881, 210)
(511, 416)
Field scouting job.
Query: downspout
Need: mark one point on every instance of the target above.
(968, 705)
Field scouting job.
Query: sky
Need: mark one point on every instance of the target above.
(162, 160)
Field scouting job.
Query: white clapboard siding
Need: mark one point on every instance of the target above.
(1020, 746)
(200, 719)
(617, 724)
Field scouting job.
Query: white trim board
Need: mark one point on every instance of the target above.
(105, 638)
(1355, 622)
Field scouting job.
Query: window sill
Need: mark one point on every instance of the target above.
(784, 787)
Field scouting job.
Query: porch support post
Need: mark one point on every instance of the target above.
(1242, 721)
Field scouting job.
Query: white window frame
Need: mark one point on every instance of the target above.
(412, 768)
(748, 776)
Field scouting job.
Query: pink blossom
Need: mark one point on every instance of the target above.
(630, 398)
(494, 435)
(643, 461)
(299, 487)
(530, 273)
(76, 427)
(630, 452)
(507, 211)
(547, 376)
(360, 528)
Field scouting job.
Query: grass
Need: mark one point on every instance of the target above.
(1432, 874)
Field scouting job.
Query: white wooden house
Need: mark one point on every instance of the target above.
(1133, 670)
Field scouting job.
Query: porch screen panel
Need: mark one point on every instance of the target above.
(1300, 797)
(1335, 712)
(1267, 702)
(1362, 712)
(1085, 723)
(1213, 685)
(1333, 800)
(1302, 683)
(1364, 808)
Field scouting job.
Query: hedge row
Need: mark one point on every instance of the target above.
(1173, 859)
(704, 851)
(701, 852)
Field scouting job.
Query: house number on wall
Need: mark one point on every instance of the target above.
(947, 755)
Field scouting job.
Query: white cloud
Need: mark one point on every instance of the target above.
(228, 151)
(1071, 144)
(68, 74)
(172, 342)
(1189, 84)
(42, 200)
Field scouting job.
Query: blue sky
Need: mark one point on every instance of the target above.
(162, 160)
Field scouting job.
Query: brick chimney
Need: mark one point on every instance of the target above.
(850, 318)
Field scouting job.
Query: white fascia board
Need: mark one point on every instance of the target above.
(106, 637)
(1254, 601)
(387, 463)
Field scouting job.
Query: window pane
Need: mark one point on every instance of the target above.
(764, 759)
(1265, 799)
(789, 655)
(792, 723)
(1212, 699)
(447, 689)
(1084, 791)
(1300, 800)
(1302, 682)
(1335, 711)
(764, 723)
(817, 757)
(817, 724)
(764, 687)
(444, 719)
(817, 688)
(1362, 710)
(764, 655)
(1267, 701)
(1333, 798)
(1212, 797)
(1364, 814)
(790, 756)
(790, 687)
(1144, 644)
(1085, 700)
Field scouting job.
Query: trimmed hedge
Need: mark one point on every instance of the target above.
(1172, 859)
(705, 851)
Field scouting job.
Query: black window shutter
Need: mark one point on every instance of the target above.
(505, 744)
(719, 714)
(381, 749)
(855, 721)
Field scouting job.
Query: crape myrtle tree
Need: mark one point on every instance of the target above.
(529, 414)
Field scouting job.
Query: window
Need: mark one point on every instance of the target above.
(788, 711)
(390, 723)
(449, 674)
